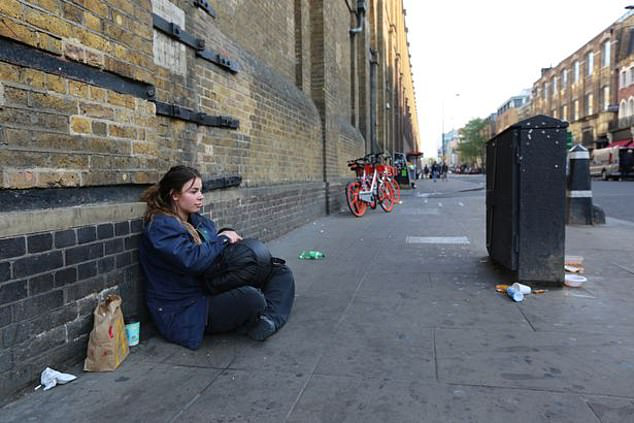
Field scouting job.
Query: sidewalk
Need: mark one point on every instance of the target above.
(389, 331)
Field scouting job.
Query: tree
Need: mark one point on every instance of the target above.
(472, 147)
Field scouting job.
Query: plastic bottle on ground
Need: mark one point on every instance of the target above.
(311, 255)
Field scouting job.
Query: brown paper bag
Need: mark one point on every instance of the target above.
(108, 344)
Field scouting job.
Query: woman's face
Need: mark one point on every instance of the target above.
(190, 199)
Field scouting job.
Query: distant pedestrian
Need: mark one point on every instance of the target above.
(443, 171)
(426, 171)
(435, 170)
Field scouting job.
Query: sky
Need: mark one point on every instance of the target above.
(469, 57)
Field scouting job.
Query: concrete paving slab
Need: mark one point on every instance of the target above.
(387, 281)
(137, 391)
(319, 306)
(246, 396)
(612, 410)
(215, 352)
(351, 400)
(618, 286)
(577, 309)
(585, 364)
(364, 354)
(295, 349)
(432, 311)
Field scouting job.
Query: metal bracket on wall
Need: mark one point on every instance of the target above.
(224, 182)
(201, 118)
(22, 55)
(219, 59)
(174, 31)
(204, 4)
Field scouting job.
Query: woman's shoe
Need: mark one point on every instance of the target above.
(262, 329)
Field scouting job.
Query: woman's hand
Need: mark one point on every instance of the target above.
(232, 235)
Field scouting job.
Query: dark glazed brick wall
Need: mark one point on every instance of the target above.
(49, 287)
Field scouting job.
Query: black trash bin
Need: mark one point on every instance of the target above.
(525, 199)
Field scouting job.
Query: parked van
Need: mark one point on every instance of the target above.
(612, 162)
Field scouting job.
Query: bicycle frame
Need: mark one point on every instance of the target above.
(369, 195)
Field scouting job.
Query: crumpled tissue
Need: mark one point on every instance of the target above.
(50, 378)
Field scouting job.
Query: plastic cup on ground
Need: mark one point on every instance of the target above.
(524, 289)
(515, 294)
(133, 332)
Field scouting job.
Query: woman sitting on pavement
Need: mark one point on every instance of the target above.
(177, 246)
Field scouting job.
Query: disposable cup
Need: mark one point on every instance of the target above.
(524, 289)
(133, 332)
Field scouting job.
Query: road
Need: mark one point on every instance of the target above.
(616, 198)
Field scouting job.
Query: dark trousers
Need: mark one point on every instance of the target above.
(241, 307)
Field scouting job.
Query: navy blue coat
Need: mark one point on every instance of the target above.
(172, 264)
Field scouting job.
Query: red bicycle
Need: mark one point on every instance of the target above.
(371, 185)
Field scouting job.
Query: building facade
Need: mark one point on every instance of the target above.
(98, 98)
(582, 89)
(512, 111)
(622, 128)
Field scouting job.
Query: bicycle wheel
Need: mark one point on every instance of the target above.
(386, 197)
(357, 206)
(397, 189)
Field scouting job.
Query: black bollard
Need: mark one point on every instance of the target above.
(579, 208)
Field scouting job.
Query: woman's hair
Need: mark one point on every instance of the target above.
(158, 196)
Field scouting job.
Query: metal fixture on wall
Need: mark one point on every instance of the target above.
(204, 4)
(361, 10)
(176, 32)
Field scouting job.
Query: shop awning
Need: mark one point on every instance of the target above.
(622, 143)
(414, 154)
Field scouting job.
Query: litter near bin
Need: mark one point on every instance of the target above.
(574, 281)
(515, 294)
(51, 378)
(518, 287)
(311, 255)
(573, 264)
(524, 289)
(132, 331)
(501, 288)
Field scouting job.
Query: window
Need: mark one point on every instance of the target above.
(588, 100)
(576, 67)
(545, 90)
(605, 54)
(622, 109)
(589, 63)
(564, 112)
(554, 113)
(630, 108)
(622, 80)
(575, 110)
(605, 98)
(564, 78)
(629, 81)
(554, 86)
